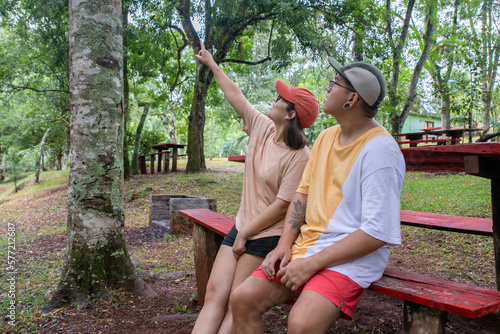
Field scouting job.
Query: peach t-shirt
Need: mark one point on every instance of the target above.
(271, 170)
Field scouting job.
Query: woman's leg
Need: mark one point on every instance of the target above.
(217, 294)
(247, 264)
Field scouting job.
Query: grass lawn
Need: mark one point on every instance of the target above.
(39, 212)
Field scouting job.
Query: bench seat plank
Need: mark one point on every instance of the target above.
(214, 221)
(462, 299)
(471, 225)
(418, 141)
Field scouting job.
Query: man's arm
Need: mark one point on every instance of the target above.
(352, 247)
(294, 219)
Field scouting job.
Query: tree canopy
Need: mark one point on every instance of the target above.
(255, 42)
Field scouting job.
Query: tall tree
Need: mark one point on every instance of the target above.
(96, 255)
(442, 61)
(412, 92)
(398, 118)
(126, 93)
(138, 134)
(40, 156)
(396, 48)
(490, 40)
(223, 23)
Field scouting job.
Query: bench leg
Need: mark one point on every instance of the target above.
(152, 167)
(420, 319)
(142, 165)
(206, 244)
(174, 160)
(158, 169)
(167, 161)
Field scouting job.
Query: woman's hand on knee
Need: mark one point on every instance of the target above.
(239, 245)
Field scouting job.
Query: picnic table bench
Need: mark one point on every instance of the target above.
(419, 292)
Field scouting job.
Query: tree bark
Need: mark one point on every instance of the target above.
(40, 156)
(96, 255)
(126, 91)
(195, 152)
(137, 144)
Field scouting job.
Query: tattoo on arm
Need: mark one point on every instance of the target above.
(298, 215)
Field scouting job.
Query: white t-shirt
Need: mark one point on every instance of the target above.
(352, 187)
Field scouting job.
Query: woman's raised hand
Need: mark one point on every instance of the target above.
(204, 56)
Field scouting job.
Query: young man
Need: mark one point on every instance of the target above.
(342, 220)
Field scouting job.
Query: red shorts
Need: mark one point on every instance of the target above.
(337, 288)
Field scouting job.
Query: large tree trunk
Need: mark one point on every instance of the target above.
(138, 134)
(195, 152)
(40, 156)
(96, 255)
(126, 91)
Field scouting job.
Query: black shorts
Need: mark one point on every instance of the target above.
(259, 247)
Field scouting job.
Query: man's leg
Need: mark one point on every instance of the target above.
(217, 294)
(311, 314)
(251, 299)
(326, 296)
(247, 264)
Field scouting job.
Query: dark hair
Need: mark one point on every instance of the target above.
(369, 111)
(295, 136)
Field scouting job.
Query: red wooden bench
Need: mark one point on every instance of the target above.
(418, 292)
(437, 221)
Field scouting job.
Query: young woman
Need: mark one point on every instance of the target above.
(276, 157)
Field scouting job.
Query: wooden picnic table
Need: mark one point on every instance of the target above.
(479, 159)
(452, 136)
(162, 150)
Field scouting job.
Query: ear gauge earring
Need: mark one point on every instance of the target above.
(347, 106)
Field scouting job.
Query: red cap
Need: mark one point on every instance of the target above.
(306, 104)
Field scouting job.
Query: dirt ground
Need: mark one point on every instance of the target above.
(176, 307)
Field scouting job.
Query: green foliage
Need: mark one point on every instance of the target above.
(14, 168)
(150, 137)
(33, 74)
